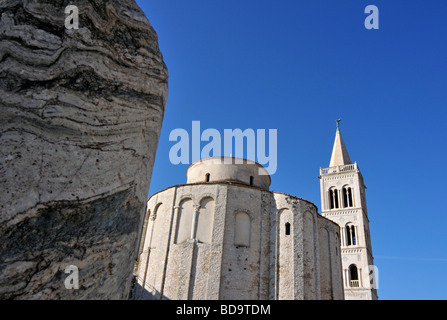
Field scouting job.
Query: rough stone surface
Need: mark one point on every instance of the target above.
(81, 114)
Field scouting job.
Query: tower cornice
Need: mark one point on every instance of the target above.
(345, 168)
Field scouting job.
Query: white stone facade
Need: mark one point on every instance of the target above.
(343, 201)
(218, 237)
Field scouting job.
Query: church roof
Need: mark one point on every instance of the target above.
(340, 154)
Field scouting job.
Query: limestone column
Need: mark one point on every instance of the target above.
(148, 251)
(194, 222)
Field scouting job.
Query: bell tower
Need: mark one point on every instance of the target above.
(343, 201)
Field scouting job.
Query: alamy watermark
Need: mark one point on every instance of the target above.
(72, 17)
(188, 148)
(72, 281)
(373, 276)
(372, 20)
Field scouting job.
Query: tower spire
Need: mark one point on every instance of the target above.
(340, 154)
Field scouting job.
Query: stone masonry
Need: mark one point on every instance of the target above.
(224, 235)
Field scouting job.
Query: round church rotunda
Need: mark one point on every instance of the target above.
(225, 236)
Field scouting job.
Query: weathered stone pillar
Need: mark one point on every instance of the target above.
(195, 217)
(80, 117)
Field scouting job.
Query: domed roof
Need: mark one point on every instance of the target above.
(229, 169)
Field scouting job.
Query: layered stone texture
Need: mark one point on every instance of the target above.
(81, 116)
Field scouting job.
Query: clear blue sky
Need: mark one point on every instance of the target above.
(297, 66)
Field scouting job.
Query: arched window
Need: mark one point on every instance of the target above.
(347, 197)
(333, 198)
(156, 234)
(184, 221)
(353, 276)
(350, 235)
(207, 177)
(251, 180)
(205, 220)
(287, 229)
(242, 229)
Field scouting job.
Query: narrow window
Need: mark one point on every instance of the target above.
(251, 180)
(349, 195)
(348, 235)
(336, 198)
(207, 177)
(345, 198)
(287, 229)
(353, 272)
(331, 199)
(354, 276)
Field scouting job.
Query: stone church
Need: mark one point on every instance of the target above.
(343, 201)
(225, 235)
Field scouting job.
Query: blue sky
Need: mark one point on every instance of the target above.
(297, 66)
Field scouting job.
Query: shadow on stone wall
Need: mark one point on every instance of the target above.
(138, 293)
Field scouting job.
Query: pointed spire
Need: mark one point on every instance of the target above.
(340, 154)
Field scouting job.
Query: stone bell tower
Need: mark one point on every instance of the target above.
(343, 201)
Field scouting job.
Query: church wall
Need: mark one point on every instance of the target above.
(241, 260)
(194, 266)
(331, 276)
(285, 255)
(299, 249)
(325, 263)
(310, 257)
(268, 209)
(358, 184)
(160, 207)
(272, 265)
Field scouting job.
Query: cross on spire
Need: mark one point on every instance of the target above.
(340, 154)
